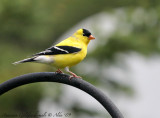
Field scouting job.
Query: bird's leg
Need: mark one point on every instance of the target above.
(73, 74)
(59, 71)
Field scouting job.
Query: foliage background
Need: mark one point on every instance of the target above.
(30, 26)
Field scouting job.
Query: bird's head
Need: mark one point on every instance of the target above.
(84, 35)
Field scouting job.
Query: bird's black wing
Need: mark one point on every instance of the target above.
(55, 50)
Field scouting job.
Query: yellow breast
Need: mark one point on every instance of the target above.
(64, 60)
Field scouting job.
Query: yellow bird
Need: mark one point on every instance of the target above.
(65, 54)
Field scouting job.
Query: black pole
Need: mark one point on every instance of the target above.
(62, 78)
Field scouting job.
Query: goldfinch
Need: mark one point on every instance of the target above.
(65, 54)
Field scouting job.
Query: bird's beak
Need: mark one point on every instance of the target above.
(91, 37)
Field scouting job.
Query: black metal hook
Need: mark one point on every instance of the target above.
(62, 78)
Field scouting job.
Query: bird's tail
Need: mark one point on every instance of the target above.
(25, 60)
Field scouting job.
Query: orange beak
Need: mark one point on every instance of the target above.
(91, 37)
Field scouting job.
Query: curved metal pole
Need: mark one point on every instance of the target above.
(62, 78)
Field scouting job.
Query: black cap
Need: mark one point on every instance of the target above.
(86, 33)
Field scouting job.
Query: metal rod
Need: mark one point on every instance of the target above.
(62, 78)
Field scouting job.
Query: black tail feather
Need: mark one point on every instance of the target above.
(25, 60)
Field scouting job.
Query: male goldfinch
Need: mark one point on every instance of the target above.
(65, 54)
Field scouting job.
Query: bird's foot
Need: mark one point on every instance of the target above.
(74, 75)
(59, 71)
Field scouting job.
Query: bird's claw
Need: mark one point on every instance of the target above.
(75, 76)
(59, 71)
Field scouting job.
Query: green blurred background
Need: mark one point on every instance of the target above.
(123, 29)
